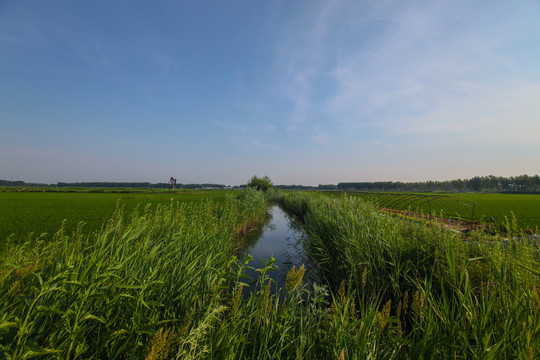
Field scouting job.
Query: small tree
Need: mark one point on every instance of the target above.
(258, 183)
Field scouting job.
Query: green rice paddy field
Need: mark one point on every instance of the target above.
(524, 207)
(26, 212)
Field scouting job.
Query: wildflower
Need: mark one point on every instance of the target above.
(294, 278)
(237, 298)
(384, 315)
(364, 277)
(417, 303)
(406, 302)
(341, 294)
(266, 293)
(160, 344)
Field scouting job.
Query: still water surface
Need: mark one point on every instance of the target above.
(279, 237)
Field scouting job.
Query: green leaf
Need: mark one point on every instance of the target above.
(534, 271)
(8, 324)
(93, 317)
(35, 350)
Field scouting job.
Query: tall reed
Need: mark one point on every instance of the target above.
(106, 295)
(442, 295)
(163, 283)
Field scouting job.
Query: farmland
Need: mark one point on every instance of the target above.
(525, 208)
(44, 212)
(163, 281)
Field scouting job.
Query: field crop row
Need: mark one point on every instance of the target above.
(23, 213)
(525, 208)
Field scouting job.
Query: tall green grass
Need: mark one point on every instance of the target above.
(444, 296)
(162, 282)
(105, 295)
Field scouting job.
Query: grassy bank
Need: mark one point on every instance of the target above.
(162, 282)
(442, 296)
(160, 272)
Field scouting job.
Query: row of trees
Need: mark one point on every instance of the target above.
(138, 185)
(12, 183)
(522, 183)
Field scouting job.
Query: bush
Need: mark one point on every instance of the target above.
(263, 184)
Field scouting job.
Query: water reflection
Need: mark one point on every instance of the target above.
(280, 237)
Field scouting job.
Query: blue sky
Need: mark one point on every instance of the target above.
(306, 92)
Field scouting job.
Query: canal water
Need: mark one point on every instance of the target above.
(280, 237)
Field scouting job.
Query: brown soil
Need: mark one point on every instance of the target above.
(463, 226)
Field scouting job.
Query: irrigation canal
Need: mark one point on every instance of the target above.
(279, 237)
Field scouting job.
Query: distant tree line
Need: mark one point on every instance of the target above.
(522, 183)
(106, 184)
(190, 186)
(139, 185)
(12, 183)
(300, 187)
(102, 184)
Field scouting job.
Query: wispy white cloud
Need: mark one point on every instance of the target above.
(255, 127)
(232, 126)
(374, 143)
(250, 144)
(413, 76)
(432, 60)
(12, 32)
(318, 89)
(92, 51)
(163, 61)
(504, 115)
(301, 57)
(256, 106)
(251, 136)
(261, 144)
(321, 138)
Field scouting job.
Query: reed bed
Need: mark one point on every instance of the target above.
(107, 294)
(163, 283)
(443, 295)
